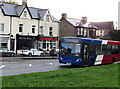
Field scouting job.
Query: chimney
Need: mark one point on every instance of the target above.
(84, 19)
(24, 2)
(64, 16)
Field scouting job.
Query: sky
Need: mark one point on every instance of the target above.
(95, 10)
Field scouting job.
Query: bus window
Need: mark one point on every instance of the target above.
(113, 49)
(104, 49)
(109, 49)
(98, 49)
(92, 49)
(70, 49)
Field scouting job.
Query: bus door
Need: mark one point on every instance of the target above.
(85, 54)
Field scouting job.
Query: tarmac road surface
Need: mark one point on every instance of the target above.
(30, 66)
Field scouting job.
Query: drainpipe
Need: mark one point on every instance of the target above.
(38, 32)
(9, 42)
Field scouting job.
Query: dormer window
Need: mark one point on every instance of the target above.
(25, 14)
(47, 18)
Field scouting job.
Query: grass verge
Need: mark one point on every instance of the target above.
(95, 76)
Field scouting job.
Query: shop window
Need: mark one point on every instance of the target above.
(20, 27)
(2, 27)
(44, 44)
(4, 45)
(33, 28)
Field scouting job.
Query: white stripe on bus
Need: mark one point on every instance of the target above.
(104, 42)
(99, 59)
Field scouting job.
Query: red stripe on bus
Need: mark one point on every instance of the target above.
(113, 43)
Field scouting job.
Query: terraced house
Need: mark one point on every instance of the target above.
(27, 27)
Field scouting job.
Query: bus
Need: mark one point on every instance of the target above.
(85, 51)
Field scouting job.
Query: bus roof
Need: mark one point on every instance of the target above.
(97, 41)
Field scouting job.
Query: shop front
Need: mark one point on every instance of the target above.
(26, 42)
(47, 43)
(5, 41)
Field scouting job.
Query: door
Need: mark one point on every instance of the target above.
(86, 54)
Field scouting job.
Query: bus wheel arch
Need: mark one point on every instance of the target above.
(113, 60)
(91, 62)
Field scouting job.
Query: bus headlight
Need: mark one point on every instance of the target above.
(61, 58)
(77, 60)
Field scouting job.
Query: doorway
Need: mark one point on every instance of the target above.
(86, 54)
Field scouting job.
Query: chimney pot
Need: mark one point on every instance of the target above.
(24, 2)
(64, 16)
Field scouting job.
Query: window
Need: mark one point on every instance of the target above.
(81, 31)
(50, 31)
(2, 27)
(25, 14)
(85, 32)
(78, 31)
(33, 28)
(20, 27)
(44, 44)
(4, 45)
(47, 18)
(41, 30)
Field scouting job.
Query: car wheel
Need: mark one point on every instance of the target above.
(12, 54)
(30, 54)
(42, 54)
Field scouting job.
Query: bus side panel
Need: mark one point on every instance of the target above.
(109, 58)
(71, 59)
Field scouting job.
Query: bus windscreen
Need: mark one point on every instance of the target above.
(70, 47)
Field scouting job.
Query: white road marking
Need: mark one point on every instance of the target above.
(2, 66)
(30, 65)
(51, 63)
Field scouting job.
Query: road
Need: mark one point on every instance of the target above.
(30, 66)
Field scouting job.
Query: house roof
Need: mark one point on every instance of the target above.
(104, 25)
(78, 22)
(16, 10)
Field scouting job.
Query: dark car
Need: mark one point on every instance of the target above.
(6, 52)
(54, 52)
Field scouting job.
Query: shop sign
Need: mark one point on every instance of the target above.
(48, 38)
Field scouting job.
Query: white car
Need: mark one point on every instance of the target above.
(6, 52)
(31, 52)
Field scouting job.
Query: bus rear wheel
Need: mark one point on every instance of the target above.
(91, 62)
(113, 60)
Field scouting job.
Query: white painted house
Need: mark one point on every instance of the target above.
(27, 27)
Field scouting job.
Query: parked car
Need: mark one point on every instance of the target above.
(31, 52)
(54, 52)
(6, 52)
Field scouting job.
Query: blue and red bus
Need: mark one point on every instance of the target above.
(84, 51)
